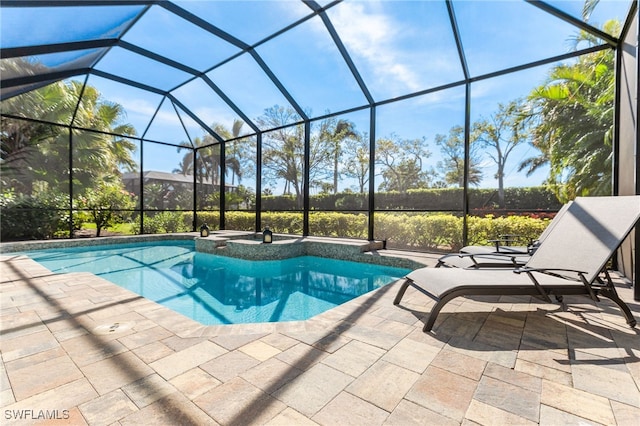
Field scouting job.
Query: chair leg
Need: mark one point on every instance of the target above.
(401, 291)
(613, 295)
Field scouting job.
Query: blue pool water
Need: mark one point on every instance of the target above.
(220, 290)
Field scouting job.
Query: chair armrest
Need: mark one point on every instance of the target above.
(543, 270)
(508, 239)
(473, 256)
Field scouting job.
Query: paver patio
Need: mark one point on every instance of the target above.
(79, 350)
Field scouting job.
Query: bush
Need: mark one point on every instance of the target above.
(165, 222)
(43, 215)
(336, 224)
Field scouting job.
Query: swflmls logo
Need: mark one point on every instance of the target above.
(36, 414)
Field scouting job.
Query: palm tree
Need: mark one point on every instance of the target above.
(33, 151)
(572, 120)
(335, 132)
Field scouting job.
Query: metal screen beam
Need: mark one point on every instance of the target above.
(611, 40)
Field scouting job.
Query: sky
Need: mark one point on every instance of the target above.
(398, 47)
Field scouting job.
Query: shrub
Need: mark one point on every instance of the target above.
(43, 215)
(165, 222)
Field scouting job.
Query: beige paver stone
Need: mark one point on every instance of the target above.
(19, 324)
(331, 342)
(455, 325)
(148, 390)
(508, 397)
(413, 355)
(410, 413)
(229, 365)
(238, 402)
(177, 343)
(354, 358)
(444, 392)
(430, 339)
(394, 327)
(115, 372)
(459, 363)
(486, 414)
(302, 356)
(61, 398)
(279, 341)
(30, 380)
(173, 409)
(260, 350)
(313, 389)
(108, 408)
(308, 336)
(608, 382)
(271, 375)
(550, 416)
(180, 362)
(145, 337)
(194, 382)
(236, 340)
(384, 384)
(290, 417)
(483, 351)
(577, 402)
(152, 352)
(72, 417)
(625, 414)
(26, 345)
(34, 359)
(373, 337)
(514, 377)
(88, 349)
(346, 409)
(6, 397)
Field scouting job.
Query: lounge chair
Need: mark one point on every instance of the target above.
(568, 262)
(499, 255)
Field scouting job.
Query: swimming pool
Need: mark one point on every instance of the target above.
(214, 290)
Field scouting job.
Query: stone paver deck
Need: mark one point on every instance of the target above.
(79, 350)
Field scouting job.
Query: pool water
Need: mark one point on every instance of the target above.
(221, 290)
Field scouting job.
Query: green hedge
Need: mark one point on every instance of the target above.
(481, 200)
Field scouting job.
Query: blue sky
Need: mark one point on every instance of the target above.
(399, 47)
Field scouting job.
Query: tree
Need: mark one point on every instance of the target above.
(283, 151)
(502, 132)
(356, 150)
(336, 132)
(34, 151)
(571, 115)
(234, 154)
(453, 152)
(401, 161)
(108, 205)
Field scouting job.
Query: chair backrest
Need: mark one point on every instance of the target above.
(534, 245)
(554, 222)
(591, 230)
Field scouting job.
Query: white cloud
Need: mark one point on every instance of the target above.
(373, 37)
